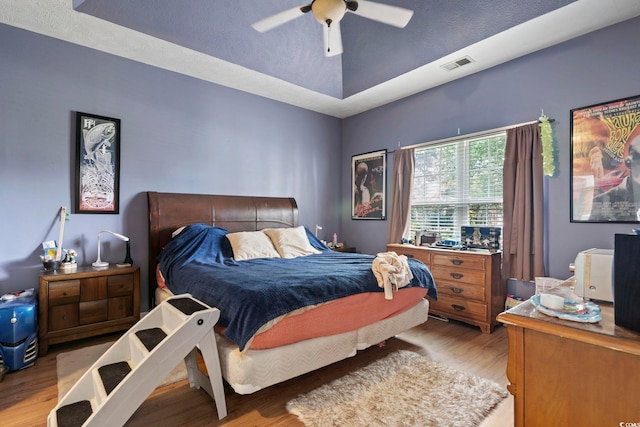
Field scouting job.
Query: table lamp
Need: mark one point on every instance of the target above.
(127, 260)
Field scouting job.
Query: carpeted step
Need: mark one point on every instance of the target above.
(151, 337)
(113, 374)
(75, 414)
(187, 305)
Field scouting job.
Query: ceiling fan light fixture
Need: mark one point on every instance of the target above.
(328, 11)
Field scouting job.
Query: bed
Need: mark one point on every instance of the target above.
(287, 344)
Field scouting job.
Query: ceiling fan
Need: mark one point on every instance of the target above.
(330, 12)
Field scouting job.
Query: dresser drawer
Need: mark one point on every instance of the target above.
(456, 260)
(461, 290)
(459, 307)
(458, 275)
(411, 252)
(120, 285)
(64, 292)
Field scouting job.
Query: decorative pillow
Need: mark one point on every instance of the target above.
(291, 242)
(250, 245)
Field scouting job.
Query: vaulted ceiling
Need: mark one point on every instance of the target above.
(213, 40)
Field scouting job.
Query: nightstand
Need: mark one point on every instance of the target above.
(345, 249)
(86, 302)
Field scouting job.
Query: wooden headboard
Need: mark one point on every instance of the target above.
(170, 211)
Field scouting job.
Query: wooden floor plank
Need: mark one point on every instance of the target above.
(27, 396)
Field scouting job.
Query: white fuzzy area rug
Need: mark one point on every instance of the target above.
(72, 365)
(403, 389)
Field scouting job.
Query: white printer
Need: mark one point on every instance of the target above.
(593, 273)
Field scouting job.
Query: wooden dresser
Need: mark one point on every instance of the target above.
(565, 373)
(86, 302)
(469, 285)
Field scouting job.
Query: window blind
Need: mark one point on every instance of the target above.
(456, 183)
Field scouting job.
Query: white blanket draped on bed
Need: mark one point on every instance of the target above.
(392, 272)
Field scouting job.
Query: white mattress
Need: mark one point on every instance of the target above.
(253, 370)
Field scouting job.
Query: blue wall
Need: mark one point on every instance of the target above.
(179, 134)
(598, 67)
(184, 135)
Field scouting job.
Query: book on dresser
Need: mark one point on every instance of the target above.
(470, 288)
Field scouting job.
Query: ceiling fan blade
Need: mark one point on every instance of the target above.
(387, 14)
(278, 19)
(332, 39)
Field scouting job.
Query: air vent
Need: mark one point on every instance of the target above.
(457, 63)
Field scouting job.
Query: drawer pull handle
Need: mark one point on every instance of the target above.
(457, 307)
(456, 290)
(408, 255)
(64, 294)
(457, 275)
(457, 261)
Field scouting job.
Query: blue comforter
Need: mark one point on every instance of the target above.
(249, 293)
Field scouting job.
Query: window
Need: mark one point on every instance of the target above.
(458, 182)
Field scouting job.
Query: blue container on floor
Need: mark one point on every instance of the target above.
(18, 329)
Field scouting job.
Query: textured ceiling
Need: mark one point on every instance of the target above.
(373, 52)
(213, 40)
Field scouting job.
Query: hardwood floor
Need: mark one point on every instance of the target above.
(27, 396)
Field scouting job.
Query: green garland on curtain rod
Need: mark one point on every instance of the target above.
(548, 161)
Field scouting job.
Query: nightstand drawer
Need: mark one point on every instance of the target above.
(93, 312)
(456, 260)
(120, 307)
(93, 289)
(120, 285)
(63, 317)
(64, 292)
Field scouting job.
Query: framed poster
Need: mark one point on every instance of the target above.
(605, 162)
(369, 178)
(97, 164)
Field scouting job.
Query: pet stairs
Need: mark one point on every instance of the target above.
(113, 388)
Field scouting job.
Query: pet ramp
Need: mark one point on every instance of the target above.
(113, 388)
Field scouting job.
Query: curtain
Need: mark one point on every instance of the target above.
(400, 195)
(522, 255)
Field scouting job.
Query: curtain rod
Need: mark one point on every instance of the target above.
(469, 135)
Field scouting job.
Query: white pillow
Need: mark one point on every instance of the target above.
(177, 231)
(291, 242)
(251, 244)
